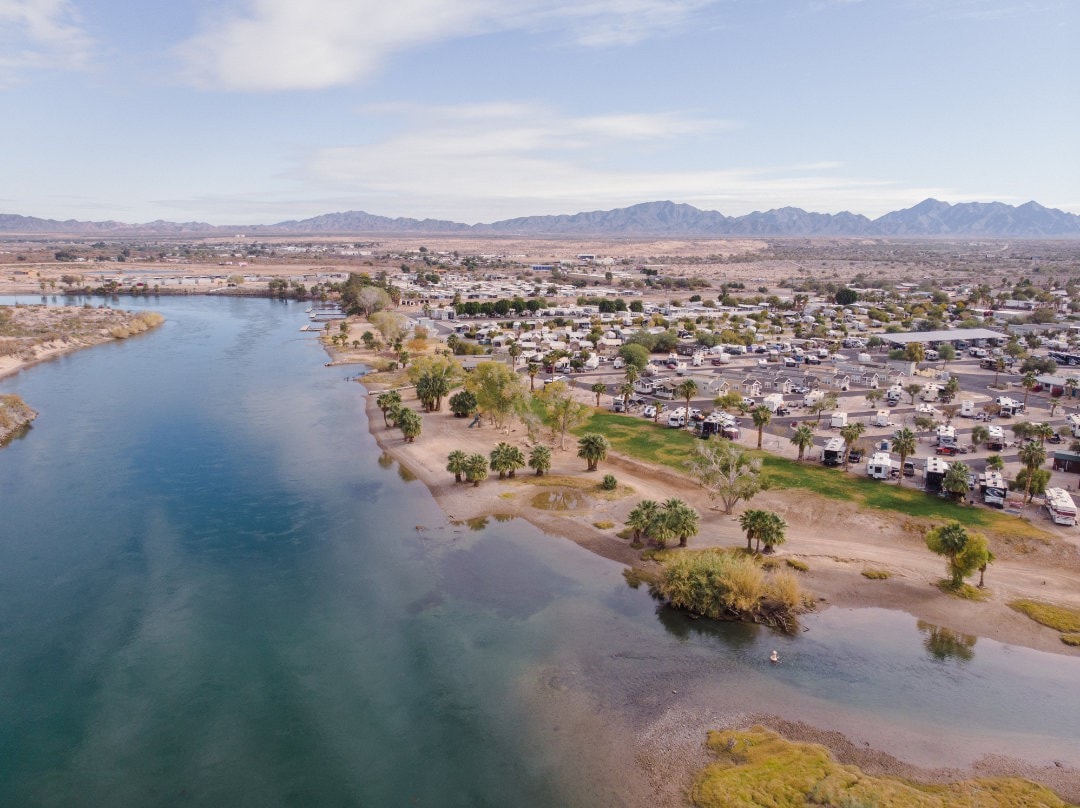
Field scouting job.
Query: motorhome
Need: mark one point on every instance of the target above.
(995, 438)
(936, 468)
(698, 359)
(880, 466)
(880, 418)
(1060, 506)
(832, 453)
(993, 488)
(838, 420)
(677, 418)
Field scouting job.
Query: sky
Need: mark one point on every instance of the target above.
(259, 111)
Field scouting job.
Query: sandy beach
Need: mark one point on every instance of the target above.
(837, 541)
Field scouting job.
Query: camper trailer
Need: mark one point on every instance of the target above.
(993, 488)
(995, 440)
(880, 418)
(894, 394)
(773, 402)
(880, 466)
(946, 436)
(1060, 506)
(698, 359)
(967, 409)
(721, 359)
(936, 469)
(838, 420)
(677, 418)
(832, 454)
(813, 397)
(930, 392)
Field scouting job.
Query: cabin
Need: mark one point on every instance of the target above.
(1067, 461)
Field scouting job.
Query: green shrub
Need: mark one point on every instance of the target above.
(876, 575)
(609, 482)
(1059, 618)
(797, 564)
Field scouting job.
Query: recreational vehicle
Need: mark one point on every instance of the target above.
(1060, 506)
(832, 454)
(677, 418)
(894, 394)
(930, 392)
(995, 438)
(773, 402)
(838, 420)
(993, 488)
(946, 436)
(936, 469)
(880, 418)
(813, 397)
(967, 409)
(880, 466)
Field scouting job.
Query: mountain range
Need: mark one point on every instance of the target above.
(929, 218)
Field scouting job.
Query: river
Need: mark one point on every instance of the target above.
(213, 592)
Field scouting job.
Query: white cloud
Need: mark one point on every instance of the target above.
(39, 34)
(286, 45)
(467, 166)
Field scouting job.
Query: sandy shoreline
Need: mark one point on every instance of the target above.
(836, 540)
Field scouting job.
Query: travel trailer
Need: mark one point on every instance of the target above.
(1060, 506)
(936, 469)
(677, 418)
(838, 420)
(880, 418)
(880, 466)
(946, 436)
(773, 402)
(813, 397)
(993, 488)
(930, 392)
(894, 394)
(832, 454)
(967, 409)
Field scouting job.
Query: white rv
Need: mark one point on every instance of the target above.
(1060, 506)
(880, 466)
(995, 440)
(894, 394)
(838, 419)
(880, 418)
(993, 488)
(832, 453)
(813, 397)
(677, 418)
(967, 409)
(946, 436)
(773, 402)
(930, 392)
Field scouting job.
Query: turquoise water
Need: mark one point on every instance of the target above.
(213, 593)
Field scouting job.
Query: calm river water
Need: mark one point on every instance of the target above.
(213, 592)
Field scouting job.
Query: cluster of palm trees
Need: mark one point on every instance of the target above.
(660, 524)
(505, 459)
(763, 527)
(395, 413)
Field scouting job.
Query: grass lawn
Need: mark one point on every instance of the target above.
(640, 438)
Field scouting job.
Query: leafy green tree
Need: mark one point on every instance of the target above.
(410, 424)
(915, 352)
(726, 472)
(387, 400)
(1032, 456)
(803, 438)
(476, 469)
(904, 444)
(873, 396)
(562, 413)
(946, 353)
(1033, 481)
(634, 355)
(979, 435)
(999, 368)
(434, 377)
(913, 390)
(762, 526)
(774, 532)
(456, 464)
(761, 415)
(592, 448)
(540, 459)
(498, 391)
(599, 388)
(845, 296)
(532, 369)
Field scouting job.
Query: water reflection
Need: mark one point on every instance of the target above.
(943, 643)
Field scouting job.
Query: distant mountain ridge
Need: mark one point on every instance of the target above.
(927, 219)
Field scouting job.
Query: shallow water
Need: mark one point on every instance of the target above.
(212, 592)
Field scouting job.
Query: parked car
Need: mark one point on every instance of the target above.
(947, 450)
(649, 411)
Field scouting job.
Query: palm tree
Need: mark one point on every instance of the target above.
(503, 459)
(386, 401)
(599, 388)
(1028, 382)
(995, 462)
(803, 437)
(476, 469)
(687, 389)
(410, 424)
(1071, 385)
(456, 463)
(753, 522)
(540, 459)
(774, 532)
(979, 434)
(1032, 455)
(626, 389)
(999, 366)
(592, 448)
(762, 415)
(904, 444)
(1042, 431)
(681, 519)
(532, 369)
(641, 518)
(851, 433)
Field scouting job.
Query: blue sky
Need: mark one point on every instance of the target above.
(476, 110)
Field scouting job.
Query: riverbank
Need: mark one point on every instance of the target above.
(37, 332)
(836, 541)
